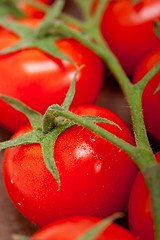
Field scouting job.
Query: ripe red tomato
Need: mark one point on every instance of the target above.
(151, 94)
(31, 11)
(96, 176)
(40, 80)
(74, 227)
(128, 29)
(140, 213)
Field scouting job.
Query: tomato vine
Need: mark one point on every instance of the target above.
(90, 35)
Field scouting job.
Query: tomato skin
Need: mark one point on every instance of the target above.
(151, 97)
(140, 213)
(74, 227)
(31, 11)
(128, 29)
(93, 173)
(40, 80)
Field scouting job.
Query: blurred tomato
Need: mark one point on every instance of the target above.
(32, 11)
(128, 29)
(151, 95)
(40, 80)
(140, 210)
(96, 176)
(75, 227)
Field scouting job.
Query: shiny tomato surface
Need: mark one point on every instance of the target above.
(140, 210)
(74, 227)
(151, 94)
(39, 80)
(128, 29)
(96, 177)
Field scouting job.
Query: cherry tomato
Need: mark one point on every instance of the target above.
(128, 29)
(151, 94)
(31, 11)
(40, 80)
(96, 176)
(140, 213)
(74, 227)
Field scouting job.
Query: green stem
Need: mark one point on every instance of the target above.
(134, 97)
(127, 87)
(137, 154)
(103, 51)
(144, 157)
(152, 179)
(85, 7)
(156, 28)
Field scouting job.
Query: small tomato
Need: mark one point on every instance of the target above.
(96, 176)
(39, 80)
(128, 29)
(140, 210)
(74, 227)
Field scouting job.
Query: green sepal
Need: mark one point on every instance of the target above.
(71, 92)
(20, 29)
(34, 117)
(48, 45)
(23, 44)
(48, 127)
(100, 120)
(27, 138)
(48, 122)
(47, 150)
(47, 145)
(53, 12)
(99, 227)
(9, 7)
(157, 89)
(43, 37)
(56, 110)
(156, 28)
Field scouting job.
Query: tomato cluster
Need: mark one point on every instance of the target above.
(31, 74)
(97, 178)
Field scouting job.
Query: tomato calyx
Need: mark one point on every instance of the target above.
(47, 128)
(99, 227)
(43, 37)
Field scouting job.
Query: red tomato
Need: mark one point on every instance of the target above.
(140, 213)
(128, 29)
(74, 227)
(96, 176)
(31, 11)
(151, 94)
(40, 80)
